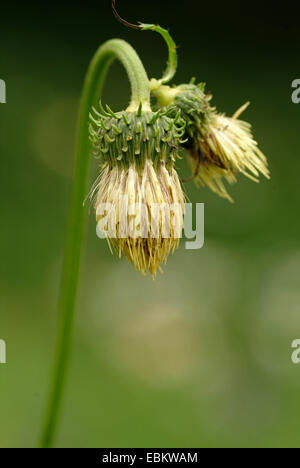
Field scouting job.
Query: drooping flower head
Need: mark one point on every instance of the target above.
(139, 201)
(218, 147)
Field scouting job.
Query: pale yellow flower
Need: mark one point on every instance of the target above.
(225, 148)
(150, 202)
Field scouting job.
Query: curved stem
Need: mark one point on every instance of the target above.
(69, 282)
(172, 59)
(122, 21)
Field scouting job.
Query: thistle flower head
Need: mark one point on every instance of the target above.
(140, 202)
(218, 147)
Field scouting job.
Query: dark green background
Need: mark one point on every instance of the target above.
(200, 357)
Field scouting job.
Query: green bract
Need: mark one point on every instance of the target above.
(193, 104)
(131, 137)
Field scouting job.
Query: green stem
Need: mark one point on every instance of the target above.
(172, 59)
(69, 282)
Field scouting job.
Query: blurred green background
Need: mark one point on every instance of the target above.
(200, 357)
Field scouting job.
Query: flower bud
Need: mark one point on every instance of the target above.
(218, 147)
(140, 202)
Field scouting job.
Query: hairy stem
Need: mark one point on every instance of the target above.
(69, 282)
